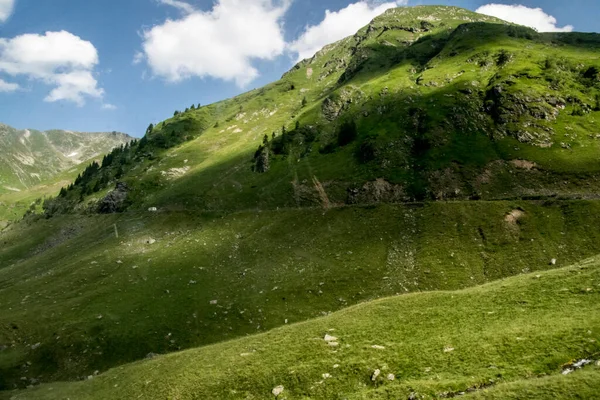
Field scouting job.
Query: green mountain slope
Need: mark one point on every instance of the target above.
(509, 339)
(34, 164)
(478, 134)
(447, 104)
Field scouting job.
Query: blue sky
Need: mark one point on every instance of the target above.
(121, 64)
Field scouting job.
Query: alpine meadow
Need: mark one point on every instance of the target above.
(412, 213)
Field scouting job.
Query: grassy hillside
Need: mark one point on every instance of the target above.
(436, 149)
(508, 339)
(445, 104)
(93, 301)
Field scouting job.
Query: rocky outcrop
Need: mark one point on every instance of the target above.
(115, 201)
(378, 191)
(335, 105)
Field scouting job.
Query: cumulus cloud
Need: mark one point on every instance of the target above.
(7, 87)
(533, 17)
(337, 25)
(220, 43)
(59, 59)
(6, 9)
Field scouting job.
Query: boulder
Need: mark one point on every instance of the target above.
(114, 202)
(277, 391)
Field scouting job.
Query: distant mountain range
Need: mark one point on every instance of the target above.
(30, 157)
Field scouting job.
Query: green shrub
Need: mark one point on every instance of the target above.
(347, 133)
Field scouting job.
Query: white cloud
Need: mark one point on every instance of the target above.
(221, 43)
(108, 106)
(7, 87)
(533, 17)
(6, 9)
(59, 59)
(181, 5)
(337, 25)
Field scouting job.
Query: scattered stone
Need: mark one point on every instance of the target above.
(329, 338)
(448, 349)
(153, 209)
(35, 346)
(338, 365)
(326, 376)
(376, 373)
(333, 344)
(151, 241)
(277, 391)
(567, 369)
(391, 377)
(99, 316)
(213, 302)
(119, 262)
(598, 363)
(553, 261)
(192, 282)
(150, 356)
(377, 347)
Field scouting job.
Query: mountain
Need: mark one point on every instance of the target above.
(30, 157)
(437, 150)
(36, 164)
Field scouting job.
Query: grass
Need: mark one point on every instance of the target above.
(514, 336)
(93, 301)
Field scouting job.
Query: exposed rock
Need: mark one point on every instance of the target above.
(150, 356)
(524, 164)
(448, 349)
(114, 202)
(391, 377)
(326, 376)
(375, 374)
(378, 191)
(329, 338)
(553, 261)
(213, 302)
(377, 347)
(175, 173)
(277, 391)
(335, 104)
(513, 217)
